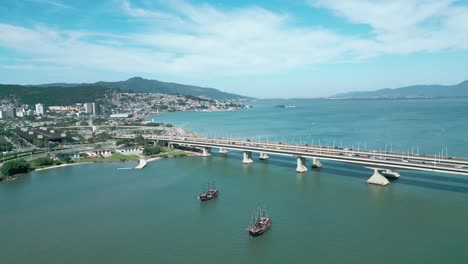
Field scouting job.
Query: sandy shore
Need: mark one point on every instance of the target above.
(62, 165)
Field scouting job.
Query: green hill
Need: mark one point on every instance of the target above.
(415, 91)
(53, 95)
(140, 85)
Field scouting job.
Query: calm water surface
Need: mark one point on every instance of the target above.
(96, 213)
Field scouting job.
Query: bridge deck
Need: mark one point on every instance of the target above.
(366, 158)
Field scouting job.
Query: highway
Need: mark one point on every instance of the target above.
(367, 158)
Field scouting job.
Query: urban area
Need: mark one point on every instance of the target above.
(38, 136)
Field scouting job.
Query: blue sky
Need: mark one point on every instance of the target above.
(269, 48)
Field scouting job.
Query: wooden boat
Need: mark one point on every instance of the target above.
(260, 223)
(210, 193)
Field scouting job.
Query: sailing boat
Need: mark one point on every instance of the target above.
(210, 193)
(260, 222)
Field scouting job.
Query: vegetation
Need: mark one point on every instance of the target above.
(152, 150)
(42, 162)
(5, 145)
(140, 85)
(99, 137)
(14, 167)
(53, 95)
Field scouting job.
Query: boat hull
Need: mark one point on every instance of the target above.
(260, 231)
(205, 197)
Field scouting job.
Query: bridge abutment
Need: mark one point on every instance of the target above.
(206, 152)
(247, 157)
(263, 156)
(301, 165)
(377, 178)
(316, 163)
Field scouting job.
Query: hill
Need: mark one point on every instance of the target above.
(140, 85)
(415, 91)
(53, 95)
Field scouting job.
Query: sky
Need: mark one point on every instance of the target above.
(264, 48)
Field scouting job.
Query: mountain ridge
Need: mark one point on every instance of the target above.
(141, 85)
(413, 91)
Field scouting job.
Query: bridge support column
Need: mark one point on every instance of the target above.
(301, 165)
(263, 156)
(223, 151)
(377, 178)
(206, 152)
(316, 163)
(247, 157)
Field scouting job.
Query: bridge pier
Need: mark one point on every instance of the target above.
(301, 167)
(316, 163)
(263, 156)
(247, 157)
(377, 178)
(222, 151)
(206, 152)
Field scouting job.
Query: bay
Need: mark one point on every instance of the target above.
(95, 213)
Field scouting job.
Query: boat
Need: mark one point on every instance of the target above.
(260, 222)
(210, 193)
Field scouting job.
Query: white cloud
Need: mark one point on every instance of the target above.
(405, 26)
(201, 40)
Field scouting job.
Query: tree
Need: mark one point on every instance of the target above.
(45, 161)
(39, 142)
(151, 150)
(64, 157)
(13, 167)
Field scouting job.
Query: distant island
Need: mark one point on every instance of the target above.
(410, 92)
(140, 85)
(285, 106)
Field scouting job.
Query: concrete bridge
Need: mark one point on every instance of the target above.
(382, 164)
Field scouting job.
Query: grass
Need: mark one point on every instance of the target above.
(114, 157)
(169, 153)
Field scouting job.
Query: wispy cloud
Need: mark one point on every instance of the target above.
(54, 3)
(201, 40)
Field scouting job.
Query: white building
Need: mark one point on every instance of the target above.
(96, 109)
(39, 109)
(88, 108)
(121, 115)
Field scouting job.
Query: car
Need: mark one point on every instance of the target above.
(404, 160)
(459, 166)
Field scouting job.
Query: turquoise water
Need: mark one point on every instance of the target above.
(96, 213)
(427, 125)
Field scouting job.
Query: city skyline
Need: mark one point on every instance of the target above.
(266, 49)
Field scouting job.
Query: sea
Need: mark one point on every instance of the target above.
(96, 213)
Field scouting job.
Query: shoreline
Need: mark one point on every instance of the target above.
(189, 154)
(62, 165)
